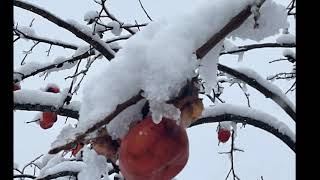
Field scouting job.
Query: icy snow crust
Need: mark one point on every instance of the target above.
(159, 59)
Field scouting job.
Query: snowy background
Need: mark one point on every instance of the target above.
(264, 154)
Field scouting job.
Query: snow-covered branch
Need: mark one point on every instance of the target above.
(32, 100)
(97, 43)
(239, 114)
(80, 137)
(233, 24)
(256, 46)
(59, 174)
(28, 72)
(45, 40)
(268, 89)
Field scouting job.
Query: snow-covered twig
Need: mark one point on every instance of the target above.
(51, 176)
(233, 24)
(46, 40)
(265, 87)
(99, 45)
(51, 66)
(24, 176)
(245, 115)
(256, 46)
(80, 137)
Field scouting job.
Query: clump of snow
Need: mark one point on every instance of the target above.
(289, 53)
(27, 68)
(26, 30)
(66, 135)
(95, 165)
(208, 68)
(286, 39)
(229, 46)
(268, 24)
(240, 56)
(116, 28)
(226, 108)
(25, 96)
(90, 16)
(160, 110)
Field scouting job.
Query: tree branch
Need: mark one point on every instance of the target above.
(256, 46)
(100, 46)
(38, 107)
(260, 87)
(79, 138)
(59, 174)
(234, 23)
(247, 120)
(24, 176)
(48, 41)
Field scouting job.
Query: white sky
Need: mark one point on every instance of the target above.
(264, 154)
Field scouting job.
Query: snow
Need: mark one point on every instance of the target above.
(27, 31)
(90, 16)
(159, 59)
(81, 50)
(64, 137)
(116, 28)
(286, 39)
(95, 165)
(289, 53)
(271, 87)
(26, 96)
(268, 24)
(226, 108)
(89, 32)
(27, 68)
(72, 166)
(229, 46)
(160, 110)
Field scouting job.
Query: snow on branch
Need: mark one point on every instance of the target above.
(245, 115)
(233, 24)
(45, 40)
(33, 68)
(97, 43)
(265, 87)
(81, 136)
(256, 46)
(33, 100)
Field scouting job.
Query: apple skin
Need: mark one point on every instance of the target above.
(16, 87)
(154, 151)
(223, 135)
(53, 89)
(48, 119)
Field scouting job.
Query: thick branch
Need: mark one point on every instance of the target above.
(51, 17)
(260, 87)
(247, 120)
(256, 46)
(233, 24)
(38, 107)
(99, 124)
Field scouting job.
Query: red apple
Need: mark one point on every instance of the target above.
(53, 89)
(154, 151)
(16, 87)
(223, 135)
(48, 119)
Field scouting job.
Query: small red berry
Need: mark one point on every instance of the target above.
(223, 135)
(75, 150)
(48, 119)
(16, 87)
(53, 89)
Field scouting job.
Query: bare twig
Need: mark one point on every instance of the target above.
(145, 10)
(28, 52)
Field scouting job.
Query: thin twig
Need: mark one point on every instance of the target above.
(145, 10)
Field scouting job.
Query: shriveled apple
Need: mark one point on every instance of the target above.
(48, 119)
(154, 151)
